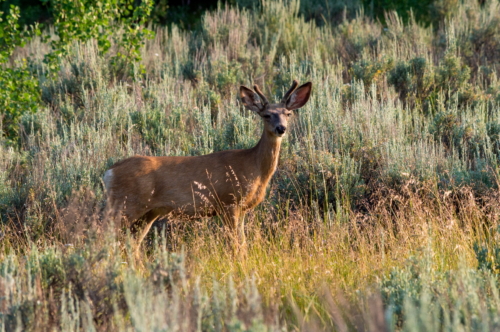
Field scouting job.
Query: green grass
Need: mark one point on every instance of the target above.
(383, 214)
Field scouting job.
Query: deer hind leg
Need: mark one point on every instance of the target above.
(147, 221)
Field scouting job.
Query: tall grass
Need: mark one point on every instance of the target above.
(383, 213)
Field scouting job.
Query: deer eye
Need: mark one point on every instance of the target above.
(288, 114)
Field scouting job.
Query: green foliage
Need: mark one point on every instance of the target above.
(371, 71)
(493, 131)
(135, 35)
(413, 80)
(73, 21)
(452, 75)
(19, 94)
(19, 91)
(488, 252)
(151, 127)
(84, 20)
(458, 136)
(421, 297)
(52, 270)
(11, 33)
(224, 75)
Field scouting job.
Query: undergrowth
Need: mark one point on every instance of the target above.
(382, 215)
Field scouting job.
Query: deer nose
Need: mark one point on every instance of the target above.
(280, 130)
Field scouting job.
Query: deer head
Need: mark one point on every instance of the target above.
(276, 116)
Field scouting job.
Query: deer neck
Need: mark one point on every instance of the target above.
(267, 153)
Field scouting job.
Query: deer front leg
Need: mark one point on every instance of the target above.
(232, 220)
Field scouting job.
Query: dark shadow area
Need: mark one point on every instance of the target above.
(187, 14)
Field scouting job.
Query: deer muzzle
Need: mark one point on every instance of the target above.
(280, 130)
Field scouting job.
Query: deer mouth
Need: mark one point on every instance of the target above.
(278, 134)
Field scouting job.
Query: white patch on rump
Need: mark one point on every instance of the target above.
(108, 178)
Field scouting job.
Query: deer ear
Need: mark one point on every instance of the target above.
(299, 97)
(250, 99)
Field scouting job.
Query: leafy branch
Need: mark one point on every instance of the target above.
(19, 90)
(83, 20)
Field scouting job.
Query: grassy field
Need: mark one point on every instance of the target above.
(383, 215)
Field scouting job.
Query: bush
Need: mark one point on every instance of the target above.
(19, 91)
(19, 94)
(413, 80)
(85, 20)
(371, 71)
(452, 75)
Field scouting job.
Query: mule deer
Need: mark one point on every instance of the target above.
(225, 183)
